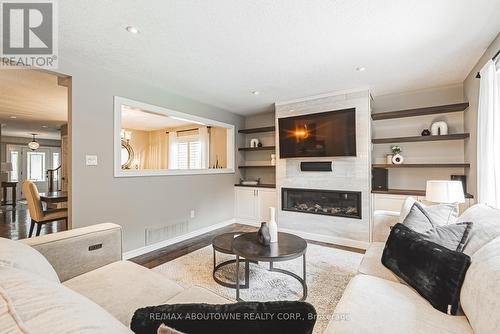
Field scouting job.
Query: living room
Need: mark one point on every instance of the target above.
(335, 160)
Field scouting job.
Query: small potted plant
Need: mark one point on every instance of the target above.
(397, 158)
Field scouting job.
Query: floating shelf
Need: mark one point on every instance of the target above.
(257, 130)
(430, 165)
(407, 192)
(257, 166)
(456, 136)
(421, 111)
(261, 185)
(263, 148)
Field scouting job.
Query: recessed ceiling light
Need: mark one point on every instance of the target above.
(13, 117)
(44, 126)
(255, 92)
(132, 29)
(360, 68)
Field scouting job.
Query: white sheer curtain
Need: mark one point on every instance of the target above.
(488, 136)
(204, 146)
(173, 151)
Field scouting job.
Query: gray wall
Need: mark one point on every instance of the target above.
(136, 203)
(471, 89)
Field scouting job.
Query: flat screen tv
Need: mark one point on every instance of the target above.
(325, 134)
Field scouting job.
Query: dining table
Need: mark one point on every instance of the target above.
(54, 197)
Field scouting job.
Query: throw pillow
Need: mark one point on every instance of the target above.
(164, 329)
(242, 318)
(441, 214)
(18, 255)
(451, 236)
(435, 272)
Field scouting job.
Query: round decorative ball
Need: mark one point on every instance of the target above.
(426, 132)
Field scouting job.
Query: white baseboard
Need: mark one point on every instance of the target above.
(314, 236)
(158, 245)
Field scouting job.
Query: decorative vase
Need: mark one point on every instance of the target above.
(273, 159)
(398, 159)
(273, 227)
(426, 132)
(388, 159)
(439, 128)
(263, 235)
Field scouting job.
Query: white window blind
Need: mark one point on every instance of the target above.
(189, 153)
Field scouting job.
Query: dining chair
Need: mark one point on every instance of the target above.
(37, 214)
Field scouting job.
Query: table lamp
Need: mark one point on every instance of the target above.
(444, 191)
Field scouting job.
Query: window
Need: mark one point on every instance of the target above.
(36, 166)
(14, 159)
(189, 153)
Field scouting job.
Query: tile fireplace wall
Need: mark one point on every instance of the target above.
(349, 173)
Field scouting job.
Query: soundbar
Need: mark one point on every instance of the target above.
(316, 166)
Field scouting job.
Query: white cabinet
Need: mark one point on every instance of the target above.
(391, 202)
(252, 203)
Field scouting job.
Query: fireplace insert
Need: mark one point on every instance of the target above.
(322, 202)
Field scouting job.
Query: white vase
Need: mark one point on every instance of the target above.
(273, 159)
(398, 159)
(273, 227)
(388, 159)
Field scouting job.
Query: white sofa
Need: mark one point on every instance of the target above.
(376, 302)
(80, 284)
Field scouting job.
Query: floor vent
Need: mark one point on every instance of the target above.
(157, 234)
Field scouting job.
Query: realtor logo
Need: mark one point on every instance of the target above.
(29, 34)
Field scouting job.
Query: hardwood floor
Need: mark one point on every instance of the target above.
(15, 223)
(169, 253)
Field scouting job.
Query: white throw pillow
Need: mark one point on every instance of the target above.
(34, 305)
(18, 255)
(440, 214)
(486, 226)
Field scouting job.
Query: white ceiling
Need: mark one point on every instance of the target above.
(137, 119)
(219, 51)
(31, 102)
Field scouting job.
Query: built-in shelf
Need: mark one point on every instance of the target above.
(260, 185)
(429, 165)
(456, 136)
(257, 130)
(447, 108)
(262, 148)
(257, 166)
(408, 192)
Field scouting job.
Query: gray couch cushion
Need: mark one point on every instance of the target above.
(31, 305)
(375, 305)
(17, 255)
(123, 287)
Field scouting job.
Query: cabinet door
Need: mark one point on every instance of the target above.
(266, 199)
(246, 203)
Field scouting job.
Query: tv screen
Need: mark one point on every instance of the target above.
(325, 134)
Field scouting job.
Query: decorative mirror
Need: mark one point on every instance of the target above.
(127, 155)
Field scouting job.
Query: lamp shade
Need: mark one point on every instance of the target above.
(444, 191)
(6, 167)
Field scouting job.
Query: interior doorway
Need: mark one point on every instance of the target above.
(35, 145)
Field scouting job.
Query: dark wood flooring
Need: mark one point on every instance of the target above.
(15, 222)
(169, 253)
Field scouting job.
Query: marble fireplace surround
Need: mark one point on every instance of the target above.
(349, 173)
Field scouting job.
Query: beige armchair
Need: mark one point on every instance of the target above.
(37, 214)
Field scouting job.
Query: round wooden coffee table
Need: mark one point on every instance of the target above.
(287, 248)
(223, 243)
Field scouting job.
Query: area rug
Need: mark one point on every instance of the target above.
(328, 272)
